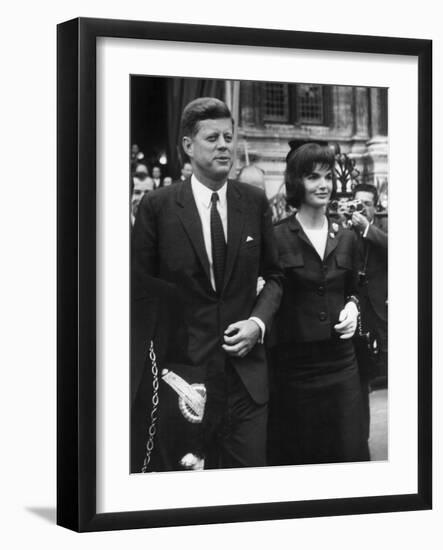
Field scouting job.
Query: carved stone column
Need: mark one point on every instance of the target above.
(361, 120)
(343, 110)
(378, 143)
(247, 105)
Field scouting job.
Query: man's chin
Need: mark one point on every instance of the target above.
(221, 173)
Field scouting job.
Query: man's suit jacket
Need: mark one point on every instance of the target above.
(373, 253)
(315, 289)
(168, 243)
(375, 247)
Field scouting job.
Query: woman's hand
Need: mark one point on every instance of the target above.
(347, 321)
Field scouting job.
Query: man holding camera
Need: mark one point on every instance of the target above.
(373, 284)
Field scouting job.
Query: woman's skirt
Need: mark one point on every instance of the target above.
(316, 407)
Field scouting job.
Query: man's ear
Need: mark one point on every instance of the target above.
(187, 146)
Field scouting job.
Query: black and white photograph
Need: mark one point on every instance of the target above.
(237, 202)
(258, 275)
(221, 265)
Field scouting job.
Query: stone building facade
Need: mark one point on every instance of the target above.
(273, 114)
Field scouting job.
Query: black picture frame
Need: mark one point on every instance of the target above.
(76, 277)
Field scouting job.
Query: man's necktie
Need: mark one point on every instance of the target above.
(218, 244)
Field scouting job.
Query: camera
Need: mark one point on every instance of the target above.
(346, 207)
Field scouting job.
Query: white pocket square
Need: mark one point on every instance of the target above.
(249, 239)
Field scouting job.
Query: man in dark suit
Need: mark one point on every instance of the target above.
(157, 177)
(373, 290)
(186, 171)
(212, 238)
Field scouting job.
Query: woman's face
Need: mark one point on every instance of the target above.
(318, 186)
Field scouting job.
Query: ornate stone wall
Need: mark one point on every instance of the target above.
(356, 120)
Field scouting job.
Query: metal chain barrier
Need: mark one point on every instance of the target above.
(155, 401)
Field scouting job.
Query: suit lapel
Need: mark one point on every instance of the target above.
(190, 218)
(235, 227)
(332, 240)
(294, 225)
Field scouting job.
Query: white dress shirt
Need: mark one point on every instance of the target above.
(202, 197)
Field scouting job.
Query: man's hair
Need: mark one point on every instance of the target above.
(141, 169)
(300, 163)
(368, 188)
(202, 108)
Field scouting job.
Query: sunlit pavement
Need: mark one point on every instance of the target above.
(378, 439)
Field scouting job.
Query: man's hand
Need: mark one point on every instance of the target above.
(241, 337)
(347, 321)
(359, 221)
(192, 462)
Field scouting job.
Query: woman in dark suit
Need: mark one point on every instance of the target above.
(316, 409)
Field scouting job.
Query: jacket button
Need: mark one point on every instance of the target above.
(321, 290)
(322, 316)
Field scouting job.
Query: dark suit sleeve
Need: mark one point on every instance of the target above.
(378, 238)
(144, 244)
(268, 300)
(352, 287)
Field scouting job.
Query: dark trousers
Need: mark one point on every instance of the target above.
(237, 435)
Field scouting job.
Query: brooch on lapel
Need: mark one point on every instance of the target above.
(334, 227)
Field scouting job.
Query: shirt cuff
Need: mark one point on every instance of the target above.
(365, 232)
(261, 326)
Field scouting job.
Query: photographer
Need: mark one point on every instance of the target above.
(373, 282)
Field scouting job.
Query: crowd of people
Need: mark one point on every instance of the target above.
(142, 181)
(252, 343)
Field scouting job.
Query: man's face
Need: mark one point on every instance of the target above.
(367, 198)
(156, 174)
(141, 186)
(210, 150)
(187, 170)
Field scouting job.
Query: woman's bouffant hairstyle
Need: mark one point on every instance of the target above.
(202, 108)
(300, 163)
